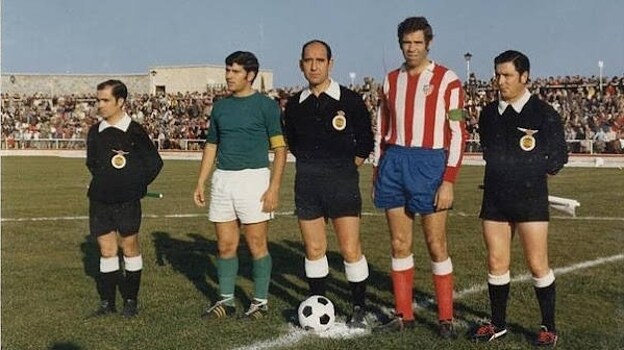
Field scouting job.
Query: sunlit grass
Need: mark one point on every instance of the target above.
(48, 267)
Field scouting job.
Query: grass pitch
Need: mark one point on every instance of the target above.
(49, 263)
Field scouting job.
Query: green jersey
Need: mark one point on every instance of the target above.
(242, 127)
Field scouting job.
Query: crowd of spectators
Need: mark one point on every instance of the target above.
(593, 117)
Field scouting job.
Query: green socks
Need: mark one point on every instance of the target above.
(227, 270)
(262, 277)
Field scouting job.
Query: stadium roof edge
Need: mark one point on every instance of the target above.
(128, 74)
(198, 65)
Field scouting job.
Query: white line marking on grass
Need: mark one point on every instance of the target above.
(588, 218)
(295, 334)
(53, 218)
(557, 271)
(286, 213)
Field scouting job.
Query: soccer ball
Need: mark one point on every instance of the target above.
(316, 313)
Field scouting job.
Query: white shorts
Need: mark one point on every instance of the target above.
(235, 194)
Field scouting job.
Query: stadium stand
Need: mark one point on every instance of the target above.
(593, 115)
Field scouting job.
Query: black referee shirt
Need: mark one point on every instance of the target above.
(500, 137)
(118, 184)
(335, 126)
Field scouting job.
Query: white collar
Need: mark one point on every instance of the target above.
(123, 124)
(430, 67)
(517, 106)
(333, 91)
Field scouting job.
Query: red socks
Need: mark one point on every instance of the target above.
(444, 295)
(402, 283)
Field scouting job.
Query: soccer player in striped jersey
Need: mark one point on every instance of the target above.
(419, 143)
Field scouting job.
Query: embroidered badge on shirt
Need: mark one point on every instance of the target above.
(119, 161)
(340, 121)
(428, 89)
(527, 142)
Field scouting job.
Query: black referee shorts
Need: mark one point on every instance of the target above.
(328, 189)
(521, 200)
(124, 218)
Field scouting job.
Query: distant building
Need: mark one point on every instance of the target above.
(173, 79)
(161, 79)
(68, 84)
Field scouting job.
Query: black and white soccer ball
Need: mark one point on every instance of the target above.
(316, 313)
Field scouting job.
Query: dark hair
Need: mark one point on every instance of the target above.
(519, 60)
(246, 59)
(316, 41)
(118, 88)
(414, 24)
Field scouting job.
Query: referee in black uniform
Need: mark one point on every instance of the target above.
(123, 161)
(523, 143)
(328, 130)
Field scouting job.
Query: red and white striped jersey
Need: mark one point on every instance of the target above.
(425, 111)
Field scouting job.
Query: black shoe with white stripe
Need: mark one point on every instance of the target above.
(257, 310)
(487, 332)
(219, 310)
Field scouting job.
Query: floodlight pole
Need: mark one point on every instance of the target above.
(467, 57)
(153, 81)
(600, 66)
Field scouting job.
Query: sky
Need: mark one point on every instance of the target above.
(561, 37)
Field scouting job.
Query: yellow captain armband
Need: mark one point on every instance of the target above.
(457, 115)
(277, 141)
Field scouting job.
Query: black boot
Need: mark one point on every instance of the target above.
(130, 292)
(107, 288)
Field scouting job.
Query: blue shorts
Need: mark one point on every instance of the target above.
(409, 177)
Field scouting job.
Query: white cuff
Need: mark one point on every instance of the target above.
(134, 263)
(357, 271)
(402, 264)
(442, 268)
(317, 268)
(109, 264)
(544, 281)
(499, 280)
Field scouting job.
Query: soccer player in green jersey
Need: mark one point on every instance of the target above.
(243, 192)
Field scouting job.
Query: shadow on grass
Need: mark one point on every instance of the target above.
(90, 256)
(64, 346)
(380, 282)
(91, 261)
(192, 258)
(195, 259)
(469, 316)
(335, 286)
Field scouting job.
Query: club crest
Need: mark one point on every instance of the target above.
(527, 142)
(428, 89)
(118, 161)
(339, 122)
